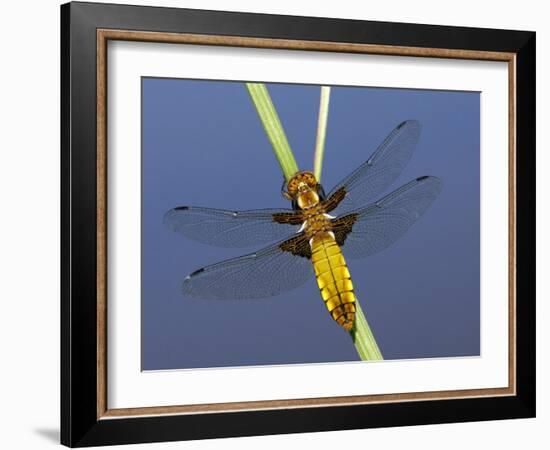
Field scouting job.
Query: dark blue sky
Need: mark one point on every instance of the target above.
(204, 145)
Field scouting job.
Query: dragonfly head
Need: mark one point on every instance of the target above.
(303, 189)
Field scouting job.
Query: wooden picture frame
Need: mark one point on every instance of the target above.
(86, 418)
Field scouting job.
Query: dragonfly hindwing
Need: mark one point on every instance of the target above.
(297, 245)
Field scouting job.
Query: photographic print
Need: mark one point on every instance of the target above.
(298, 224)
(278, 224)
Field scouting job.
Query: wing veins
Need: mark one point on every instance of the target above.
(377, 226)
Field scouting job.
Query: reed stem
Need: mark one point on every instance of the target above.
(321, 131)
(361, 334)
(273, 128)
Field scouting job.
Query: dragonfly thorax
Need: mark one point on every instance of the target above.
(307, 197)
(317, 223)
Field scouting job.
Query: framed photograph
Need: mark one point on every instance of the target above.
(276, 224)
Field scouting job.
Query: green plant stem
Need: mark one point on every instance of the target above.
(362, 337)
(321, 132)
(273, 128)
(361, 334)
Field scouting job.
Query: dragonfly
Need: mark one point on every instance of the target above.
(315, 235)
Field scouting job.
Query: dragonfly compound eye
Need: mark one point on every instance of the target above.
(301, 179)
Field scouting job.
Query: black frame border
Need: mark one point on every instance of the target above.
(79, 423)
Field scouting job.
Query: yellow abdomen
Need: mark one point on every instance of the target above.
(333, 278)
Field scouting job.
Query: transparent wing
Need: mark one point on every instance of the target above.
(375, 227)
(377, 173)
(265, 273)
(224, 228)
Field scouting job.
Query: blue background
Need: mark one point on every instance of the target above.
(203, 145)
